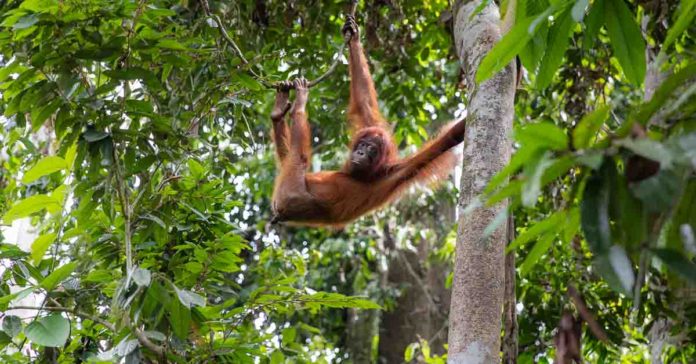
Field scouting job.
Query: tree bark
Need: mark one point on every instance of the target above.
(478, 286)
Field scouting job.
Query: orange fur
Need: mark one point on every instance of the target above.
(334, 198)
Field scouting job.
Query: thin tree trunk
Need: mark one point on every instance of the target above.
(478, 286)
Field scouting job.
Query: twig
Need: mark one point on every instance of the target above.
(587, 315)
(143, 339)
(238, 51)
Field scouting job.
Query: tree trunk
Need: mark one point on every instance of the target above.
(478, 286)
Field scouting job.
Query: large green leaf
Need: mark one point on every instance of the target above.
(615, 267)
(29, 206)
(553, 221)
(533, 173)
(504, 51)
(12, 325)
(687, 12)
(659, 192)
(559, 37)
(52, 330)
(57, 276)
(593, 23)
(537, 251)
(589, 125)
(594, 209)
(626, 40)
(678, 263)
(668, 86)
(650, 149)
(44, 166)
(40, 245)
(542, 135)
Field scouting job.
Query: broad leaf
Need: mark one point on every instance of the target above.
(12, 325)
(677, 263)
(29, 206)
(687, 12)
(559, 37)
(40, 245)
(542, 135)
(505, 50)
(142, 277)
(593, 23)
(536, 230)
(537, 251)
(649, 149)
(58, 275)
(594, 209)
(52, 331)
(188, 298)
(585, 131)
(659, 192)
(626, 40)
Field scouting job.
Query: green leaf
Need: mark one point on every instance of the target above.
(589, 125)
(559, 37)
(505, 50)
(57, 276)
(552, 221)
(666, 89)
(26, 21)
(606, 269)
(12, 325)
(687, 12)
(622, 267)
(42, 113)
(678, 263)
(537, 251)
(171, 44)
(29, 206)
(179, 319)
(188, 298)
(99, 276)
(197, 170)
(648, 148)
(142, 277)
(594, 209)
(626, 40)
(523, 156)
(247, 81)
(542, 135)
(533, 174)
(410, 351)
(40, 245)
(594, 21)
(578, 10)
(92, 135)
(277, 357)
(45, 166)
(659, 192)
(52, 331)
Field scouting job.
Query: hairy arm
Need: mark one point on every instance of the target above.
(300, 134)
(280, 127)
(409, 168)
(363, 110)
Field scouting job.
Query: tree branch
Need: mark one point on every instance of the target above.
(238, 51)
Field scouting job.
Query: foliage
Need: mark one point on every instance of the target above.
(136, 144)
(600, 174)
(149, 188)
